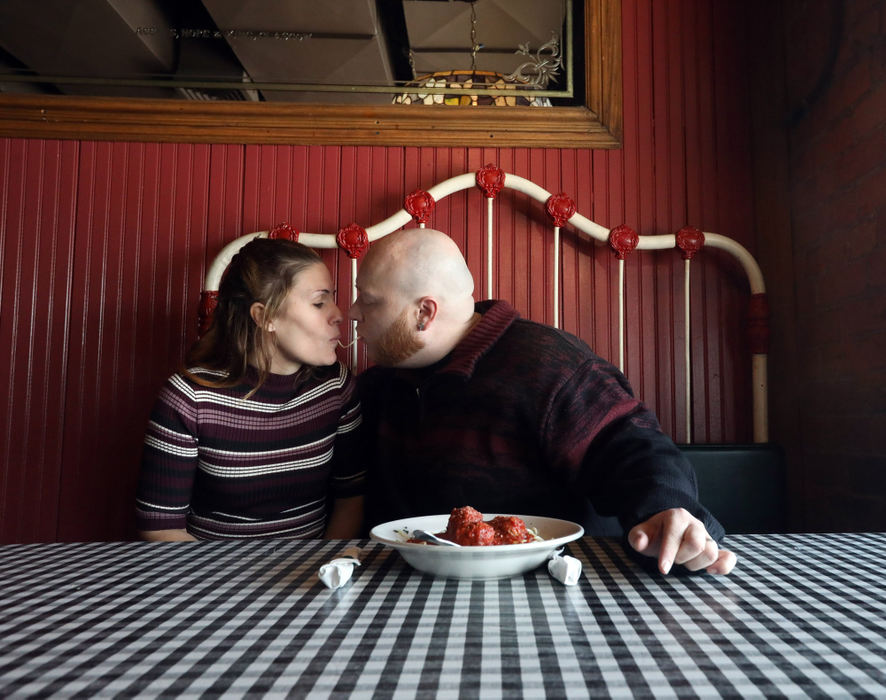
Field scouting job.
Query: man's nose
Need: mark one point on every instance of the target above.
(354, 312)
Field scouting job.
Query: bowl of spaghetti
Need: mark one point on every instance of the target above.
(472, 561)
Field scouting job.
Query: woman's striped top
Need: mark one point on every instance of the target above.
(224, 466)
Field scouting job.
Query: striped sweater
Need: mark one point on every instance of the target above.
(519, 418)
(223, 466)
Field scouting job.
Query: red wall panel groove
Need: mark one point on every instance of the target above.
(37, 205)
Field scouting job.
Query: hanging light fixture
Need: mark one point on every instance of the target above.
(498, 88)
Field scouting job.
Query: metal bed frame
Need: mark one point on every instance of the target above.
(561, 209)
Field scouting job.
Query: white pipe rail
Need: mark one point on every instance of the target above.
(584, 225)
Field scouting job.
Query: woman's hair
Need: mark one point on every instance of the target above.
(264, 270)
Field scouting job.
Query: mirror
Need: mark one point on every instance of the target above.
(227, 80)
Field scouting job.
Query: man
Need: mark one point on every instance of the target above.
(471, 405)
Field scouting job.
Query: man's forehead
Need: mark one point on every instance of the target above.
(371, 276)
(379, 290)
(382, 275)
(368, 285)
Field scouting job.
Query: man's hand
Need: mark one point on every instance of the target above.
(677, 537)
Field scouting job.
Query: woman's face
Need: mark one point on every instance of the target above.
(306, 329)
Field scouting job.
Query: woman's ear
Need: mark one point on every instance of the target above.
(257, 311)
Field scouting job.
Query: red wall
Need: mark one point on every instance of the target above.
(104, 247)
(838, 219)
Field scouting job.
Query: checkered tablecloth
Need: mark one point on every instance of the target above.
(800, 615)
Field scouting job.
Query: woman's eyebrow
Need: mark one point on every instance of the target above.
(319, 293)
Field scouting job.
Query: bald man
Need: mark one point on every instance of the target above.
(468, 404)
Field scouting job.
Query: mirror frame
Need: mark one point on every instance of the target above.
(597, 124)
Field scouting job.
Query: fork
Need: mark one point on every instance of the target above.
(430, 537)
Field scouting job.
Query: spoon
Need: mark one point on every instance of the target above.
(430, 537)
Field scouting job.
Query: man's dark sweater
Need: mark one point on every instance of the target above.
(519, 418)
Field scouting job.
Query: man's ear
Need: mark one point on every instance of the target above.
(427, 312)
(257, 311)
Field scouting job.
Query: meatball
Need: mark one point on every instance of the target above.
(510, 529)
(459, 519)
(477, 534)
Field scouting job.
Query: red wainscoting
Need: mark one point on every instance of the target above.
(104, 246)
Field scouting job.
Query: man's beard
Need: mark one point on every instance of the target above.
(398, 343)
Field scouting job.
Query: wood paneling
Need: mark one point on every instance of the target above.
(104, 246)
(37, 202)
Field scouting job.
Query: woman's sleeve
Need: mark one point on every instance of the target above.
(169, 459)
(349, 469)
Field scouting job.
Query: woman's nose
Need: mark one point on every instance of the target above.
(337, 316)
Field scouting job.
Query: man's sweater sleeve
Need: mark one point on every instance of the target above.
(611, 446)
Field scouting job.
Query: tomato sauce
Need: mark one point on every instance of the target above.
(467, 527)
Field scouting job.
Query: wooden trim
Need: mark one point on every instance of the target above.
(596, 125)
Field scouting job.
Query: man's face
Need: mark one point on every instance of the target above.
(397, 344)
(384, 322)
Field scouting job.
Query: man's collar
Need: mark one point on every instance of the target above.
(496, 317)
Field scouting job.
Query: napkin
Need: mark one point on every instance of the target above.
(565, 569)
(337, 572)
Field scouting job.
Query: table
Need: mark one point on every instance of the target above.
(802, 614)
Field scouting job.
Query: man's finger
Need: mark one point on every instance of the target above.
(701, 557)
(671, 539)
(695, 545)
(639, 539)
(726, 560)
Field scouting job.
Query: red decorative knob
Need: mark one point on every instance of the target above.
(690, 240)
(490, 179)
(623, 239)
(284, 231)
(560, 208)
(420, 205)
(208, 303)
(354, 239)
(758, 324)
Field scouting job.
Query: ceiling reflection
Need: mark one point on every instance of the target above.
(346, 51)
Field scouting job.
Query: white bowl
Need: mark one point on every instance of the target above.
(496, 561)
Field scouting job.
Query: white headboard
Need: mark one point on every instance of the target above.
(560, 208)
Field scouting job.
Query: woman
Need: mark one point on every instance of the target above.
(259, 435)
